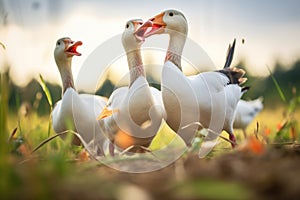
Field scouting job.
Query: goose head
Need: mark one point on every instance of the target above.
(132, 37)
(169, 22)
(65, 49)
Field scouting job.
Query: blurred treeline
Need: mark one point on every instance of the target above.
(287, 78)
(33, 98)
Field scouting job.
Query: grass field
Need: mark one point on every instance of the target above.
(264, 167)
(62, 172)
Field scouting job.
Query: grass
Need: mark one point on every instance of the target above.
(59, 169)
(211, 189)
(49, 99)
(53, 169)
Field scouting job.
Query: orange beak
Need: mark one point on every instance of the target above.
(158, 19)
(71, 47)
(106, 113)
(141, 29)
(158, 25)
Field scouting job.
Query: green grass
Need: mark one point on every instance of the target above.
(53, 168)
(56, 168)
(212, 189)
(166, 137)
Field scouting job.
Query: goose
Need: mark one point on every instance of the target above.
(246, 112)
(133, 114)
(209, 98)
(75, 111)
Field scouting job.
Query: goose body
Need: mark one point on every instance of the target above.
(78, 112)
(209, 97)
(75, 111)
(246, 112)
(133, 114)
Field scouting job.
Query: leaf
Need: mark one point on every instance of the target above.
(46, 90)
(84, 155)
(3, 46)
(12, 134)
(267, 131)
(254, 145)
(24, 150)
(277, 85)
(165, 137)
(49, 99)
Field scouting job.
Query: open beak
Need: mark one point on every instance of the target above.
(106, 113)
(71, 48)
(142, 29)
(158, 25)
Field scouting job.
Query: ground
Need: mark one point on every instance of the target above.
(235, 174)
(265, 166)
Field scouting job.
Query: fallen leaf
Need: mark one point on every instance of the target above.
(24, 150)
(253, 145)
(84, 155)
(267, 131)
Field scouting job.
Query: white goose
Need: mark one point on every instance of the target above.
(209, 98)
(133, 114)
(246, 112)
(75, 111)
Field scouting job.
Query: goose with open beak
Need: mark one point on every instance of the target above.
(75, 111)
(133, 114)
(208, 98)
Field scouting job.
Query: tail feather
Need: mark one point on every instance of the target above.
(245, 89)
(230, 53)
(235, 75)
(242, 80)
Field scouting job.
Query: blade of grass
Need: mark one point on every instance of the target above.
(4, 94)
(46, 141)
(277, 85)
(211, 131)
(3, 46)
(46, 90)
(86, 146)
(49, 99)
(13, 133)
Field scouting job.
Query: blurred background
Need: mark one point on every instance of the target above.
(267, 34)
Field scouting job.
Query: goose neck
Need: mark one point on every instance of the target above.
(66, 75)
(175, 48)
(135, 65)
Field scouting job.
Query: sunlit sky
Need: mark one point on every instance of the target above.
(271, 30)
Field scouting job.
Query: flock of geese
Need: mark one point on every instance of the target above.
(132, 116)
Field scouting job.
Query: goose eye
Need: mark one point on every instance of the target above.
(171, 14)
(58, 43)
(127, 25)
